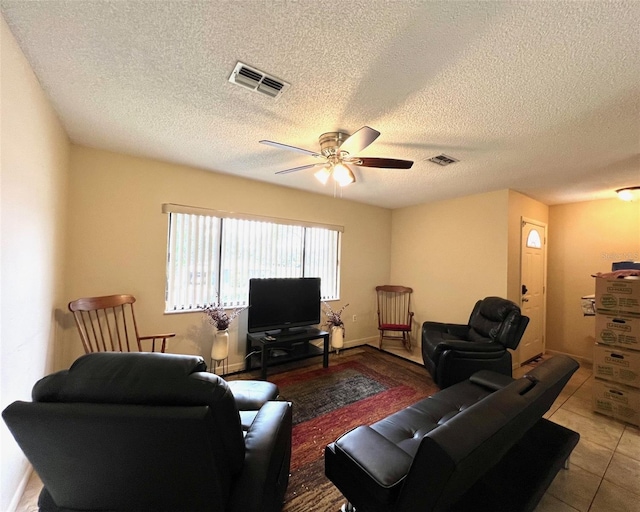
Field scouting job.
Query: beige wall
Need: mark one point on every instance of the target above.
(451, 253)
(455, 252)
(33, 175)
(584, 238)
(118, 240)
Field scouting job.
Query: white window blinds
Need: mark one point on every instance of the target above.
(212, 255)
(193, 261)
(322, 249)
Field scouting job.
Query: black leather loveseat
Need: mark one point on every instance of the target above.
(154, 432)
(479, 445)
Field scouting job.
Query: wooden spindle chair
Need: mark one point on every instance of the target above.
(394, 313)
(108, 324)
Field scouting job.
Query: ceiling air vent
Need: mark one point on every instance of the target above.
(443, 160)
(256, 80)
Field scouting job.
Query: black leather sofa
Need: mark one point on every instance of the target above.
(453, 352)
(154, 432)
(479, 445)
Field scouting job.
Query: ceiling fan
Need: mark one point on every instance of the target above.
(336, 149)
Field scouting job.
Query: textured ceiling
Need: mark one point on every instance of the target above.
(539, 97)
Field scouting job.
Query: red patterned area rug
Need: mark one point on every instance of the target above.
(361, 386)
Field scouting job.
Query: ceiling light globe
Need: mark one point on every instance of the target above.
(323, 175)
(343, 175)
(625, 195)
(629, 193)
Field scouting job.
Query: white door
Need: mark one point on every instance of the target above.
(533, 284)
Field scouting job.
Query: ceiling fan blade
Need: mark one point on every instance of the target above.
(301, 168)
(385, 163)
(359, 140)
(290, 148)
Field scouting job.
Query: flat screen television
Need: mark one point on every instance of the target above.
(283, 303)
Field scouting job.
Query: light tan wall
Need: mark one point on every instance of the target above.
(451, 253)
(119, 237)
(584, 238)
(35, 152)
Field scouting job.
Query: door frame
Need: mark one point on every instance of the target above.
(543, 226)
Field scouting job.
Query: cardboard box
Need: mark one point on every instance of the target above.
(618, 296)
(617, 365)
(617, 401)
(618, 330)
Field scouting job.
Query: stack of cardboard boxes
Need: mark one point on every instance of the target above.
(616, 357)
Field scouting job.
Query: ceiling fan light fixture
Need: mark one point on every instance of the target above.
(323, 175)
(343, 175)
(628, 193)
(336, 149)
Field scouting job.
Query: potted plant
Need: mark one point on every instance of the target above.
(335, 325)
(221, 320)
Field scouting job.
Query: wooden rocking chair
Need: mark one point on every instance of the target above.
(394, 313)
(108, 324)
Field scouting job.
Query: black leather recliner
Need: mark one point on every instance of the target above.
(454, 352)
(153, 432)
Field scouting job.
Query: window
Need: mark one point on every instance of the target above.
(212, 255)
(533, 240)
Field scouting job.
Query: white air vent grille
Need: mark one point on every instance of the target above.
(443, 160)
(256, 80)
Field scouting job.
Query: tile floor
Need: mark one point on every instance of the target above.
(604, 473)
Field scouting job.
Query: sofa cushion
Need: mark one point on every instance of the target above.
(407, 427)
(496, 319)
(119, 377)
(250, 395)
(386, 463)
(487, 319)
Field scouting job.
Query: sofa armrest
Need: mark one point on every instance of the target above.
(261, 485)
(376, 456)
(470, 346)
(457, 330)
(491, 380)
(251, 395)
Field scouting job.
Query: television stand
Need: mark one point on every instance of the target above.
(292, 345)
